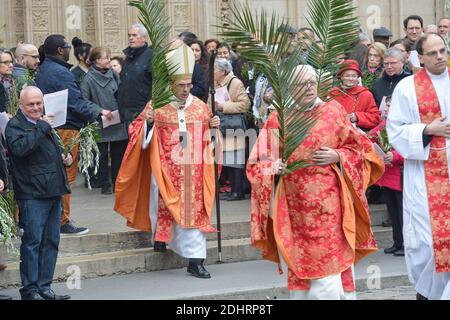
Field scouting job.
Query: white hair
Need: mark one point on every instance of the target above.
(27, 89)
(142, 31)
(304, 69)
(394, 53)
(224, 65)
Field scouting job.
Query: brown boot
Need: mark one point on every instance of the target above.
(2, 266)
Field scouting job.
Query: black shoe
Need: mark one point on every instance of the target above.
(236, 197)
(391, 250)
(159, 246)
(107, 190)
(197, 269)
(399, 253)
(69, 228)
(224, 195)
(33, 295)
(50, 295)
(420, 297)
(3, 297)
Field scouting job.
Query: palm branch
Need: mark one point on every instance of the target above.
(151, 15)
(335, 24)
(263, 41)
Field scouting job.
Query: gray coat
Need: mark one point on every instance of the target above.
(101, 89)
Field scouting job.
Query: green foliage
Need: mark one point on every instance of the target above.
(368, 79)
(383, 140)
(13, 98)
(7, 226)
(151, 15)
(88, 152)
(264, 42)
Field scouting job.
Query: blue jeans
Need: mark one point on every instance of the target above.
(40, 220)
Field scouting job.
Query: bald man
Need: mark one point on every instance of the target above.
(40, 181)
(27, 63)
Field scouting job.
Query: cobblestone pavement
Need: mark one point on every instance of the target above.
(397, 293)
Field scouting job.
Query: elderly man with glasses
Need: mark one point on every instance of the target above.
(393, 72)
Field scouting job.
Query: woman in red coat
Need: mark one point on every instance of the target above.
(358, 101)
(391, 187)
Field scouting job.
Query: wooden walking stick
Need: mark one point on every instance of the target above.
(212, 91)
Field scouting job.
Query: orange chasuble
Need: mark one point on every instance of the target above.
(436, 173)
(320, 223)
(184, 172)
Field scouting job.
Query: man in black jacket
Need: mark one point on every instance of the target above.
(136, 76)
(393, 73)
(40, 181)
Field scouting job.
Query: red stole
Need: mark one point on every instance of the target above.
(436, 173)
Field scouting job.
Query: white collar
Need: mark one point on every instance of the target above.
(176, 102)
(442, 76)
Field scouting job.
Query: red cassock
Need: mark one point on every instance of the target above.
(184, 175)
(321, 222)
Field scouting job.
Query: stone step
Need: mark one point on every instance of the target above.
(132, 261)
(378, 213)
(119, 241)
(249, 280)
(126, 259)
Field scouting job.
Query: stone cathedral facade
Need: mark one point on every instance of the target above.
(105, 22)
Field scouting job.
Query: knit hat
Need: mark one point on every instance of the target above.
(349, 65)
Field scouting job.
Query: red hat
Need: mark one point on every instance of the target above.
(349, 65)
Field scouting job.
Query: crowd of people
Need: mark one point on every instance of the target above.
(151, 193)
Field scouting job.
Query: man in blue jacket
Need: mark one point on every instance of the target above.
(54, 75)
(40, 181)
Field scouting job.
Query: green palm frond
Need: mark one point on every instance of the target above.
(151, 15)
(335, 26)
(264, 42)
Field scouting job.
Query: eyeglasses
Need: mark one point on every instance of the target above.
(308, 84)
(387, 64)
(66, 46)
(33, 56)
(434, 54)
(184, 85)
(351, 76)
(7, 62)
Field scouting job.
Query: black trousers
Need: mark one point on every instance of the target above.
(394, 203)
(115, 150)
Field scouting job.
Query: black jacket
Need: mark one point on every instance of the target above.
(199, 83)
(135, 82)
(54, 75)
(385, 86)
(3, 98)
(3, 164)
(36, 165)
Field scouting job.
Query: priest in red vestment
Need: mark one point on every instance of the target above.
(317, 218)
(166, 182)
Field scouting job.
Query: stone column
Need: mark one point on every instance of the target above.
(111, 24)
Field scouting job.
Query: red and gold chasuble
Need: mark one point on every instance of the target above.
(436, 173)
(321, 223)
(184, 175)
